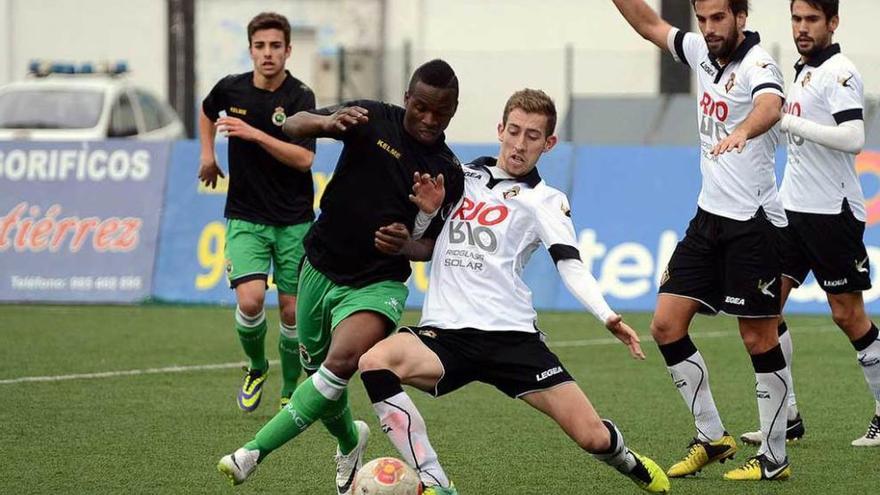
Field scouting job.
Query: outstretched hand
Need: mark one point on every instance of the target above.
(625, 334)
(428, 193)
(347, 117)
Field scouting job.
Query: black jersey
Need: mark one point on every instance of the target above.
(369, 189)
(261, 188)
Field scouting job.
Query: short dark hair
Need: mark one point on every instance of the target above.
(532, 101)
(829, 7)
(736, 6)
(436, 73)
(269, 20)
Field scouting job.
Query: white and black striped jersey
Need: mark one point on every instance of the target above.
(827, 90)
(735, 184)
(476, 270)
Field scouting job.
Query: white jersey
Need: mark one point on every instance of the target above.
(476, 270)
(735, 184)
(827, 90)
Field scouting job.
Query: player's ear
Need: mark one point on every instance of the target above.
(550, 142)
(833, 24)
(500, 130)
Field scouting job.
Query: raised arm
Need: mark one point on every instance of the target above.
(645, 21)
(765, 114)
(309, 124)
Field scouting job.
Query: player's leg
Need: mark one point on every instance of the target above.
(691, 284)
(848, 311)
(404, 359)
(571, 409)
(752, 290)
(795, 428)
(247, 266)
(314, 302)
(287, 260)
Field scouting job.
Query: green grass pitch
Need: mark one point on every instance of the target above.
(163, 432)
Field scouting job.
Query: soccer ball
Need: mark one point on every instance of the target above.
(386, 476)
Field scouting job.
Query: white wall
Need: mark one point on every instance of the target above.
(86, 30)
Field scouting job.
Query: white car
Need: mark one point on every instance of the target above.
(83, 107)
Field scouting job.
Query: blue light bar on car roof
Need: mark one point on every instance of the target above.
(41, 68)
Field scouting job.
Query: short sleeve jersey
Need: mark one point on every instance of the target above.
(735, 184)
(479, 257)
(827, 90)
(369, 189)
(262, 189)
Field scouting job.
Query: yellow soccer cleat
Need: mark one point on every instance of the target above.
(648, 475)
(283, 403)
(701, 454)
(760, 468)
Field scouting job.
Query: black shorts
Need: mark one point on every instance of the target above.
(829, 245)
(515, 363)
(728, 265)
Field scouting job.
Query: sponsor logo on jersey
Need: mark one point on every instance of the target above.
(735, 300)
(762, 394)
(868, 362)
(860, 265)
(680, 383)
(835, 283)
(665, 277)
(708, 68)
(844, 80)
(387, 147)
(394, 303)
(730, 83)
(565, 209)
(547, 374)
(238, 111)
(428, 333)
(279, 116)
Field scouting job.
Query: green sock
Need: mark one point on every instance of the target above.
(340, 424)
(252, 335)
(288, 349)
(305, 408)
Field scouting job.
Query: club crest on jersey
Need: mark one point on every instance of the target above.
(730, 83)
(806, 80)
(512, 192)
(428, 333)
(228, 266)
(304, 354)
(279, 116)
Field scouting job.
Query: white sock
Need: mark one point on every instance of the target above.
(691, 377)
(328, 384)
(877, 408)
(618, 456)
(869, 360)
(405, 427)
(785, 343)
(772, 391)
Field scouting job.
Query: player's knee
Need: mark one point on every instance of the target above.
(250, 305)
(845, 318)
(288, 314)
(374, 359)
(342, 364)
(662, 331)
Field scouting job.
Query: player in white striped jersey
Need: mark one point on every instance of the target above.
(728, 260)
(478, 322)
(822, 194)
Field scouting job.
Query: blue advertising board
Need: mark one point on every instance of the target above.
(79, 221)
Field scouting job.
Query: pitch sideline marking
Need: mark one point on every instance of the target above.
(223, 366)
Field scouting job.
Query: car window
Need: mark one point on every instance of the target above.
(151, 109)
(50, 108)
(122, 119)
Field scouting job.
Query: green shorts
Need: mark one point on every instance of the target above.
(251, 248)
(322, 304)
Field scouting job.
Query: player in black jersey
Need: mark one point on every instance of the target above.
(351, 294)
(269, 204)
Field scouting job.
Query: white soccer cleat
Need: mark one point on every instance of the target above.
(238, 465)
(872, 437)
(348, 465)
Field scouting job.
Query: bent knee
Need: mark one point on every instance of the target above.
(374, 359)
